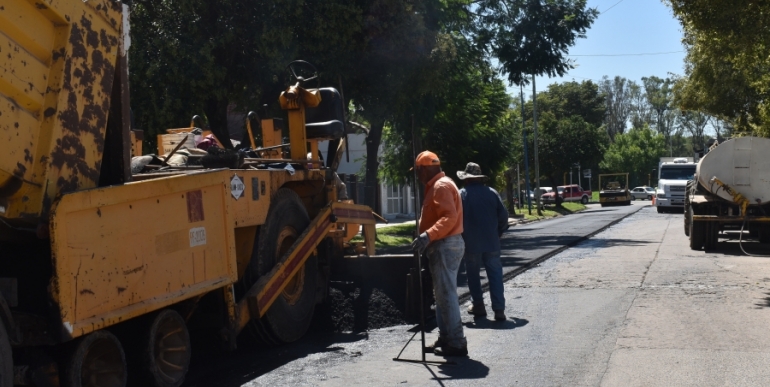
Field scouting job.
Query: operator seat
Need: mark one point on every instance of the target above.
(325, 121)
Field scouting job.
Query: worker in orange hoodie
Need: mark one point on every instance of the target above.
(441, 228)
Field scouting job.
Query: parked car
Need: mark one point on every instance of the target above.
(568, 193)
(642, 193)
(543, 191)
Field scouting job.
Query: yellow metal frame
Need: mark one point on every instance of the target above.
(261, 296)
(55, 136)
(606, 199)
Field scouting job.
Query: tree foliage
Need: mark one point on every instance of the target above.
(637, 152)
(727, 65)
(463, 119)
(617, 96)
(570, 117)
(530, 36)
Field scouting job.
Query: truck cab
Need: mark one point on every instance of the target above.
(672, 182)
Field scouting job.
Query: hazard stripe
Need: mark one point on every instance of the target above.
(298, 258)
(353, 214)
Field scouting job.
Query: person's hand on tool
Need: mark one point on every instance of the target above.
(421, 243)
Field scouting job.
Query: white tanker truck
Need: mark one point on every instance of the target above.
(730, 190)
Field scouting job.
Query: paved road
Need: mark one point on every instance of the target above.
(305, 362)
(632, 306)
(527, 244)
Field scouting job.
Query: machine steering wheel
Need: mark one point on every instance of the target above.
(296, 67)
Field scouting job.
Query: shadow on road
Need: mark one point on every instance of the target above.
(466, 368)
(233, 369)
(763, 302)
(485, 323)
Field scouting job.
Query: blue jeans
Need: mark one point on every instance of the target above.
(444, 258)
(494, 269)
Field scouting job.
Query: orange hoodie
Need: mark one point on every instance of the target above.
(442, 209)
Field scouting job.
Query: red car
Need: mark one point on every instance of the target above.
(568, 193)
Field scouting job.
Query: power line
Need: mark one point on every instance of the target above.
(611, 7)
(640, 54)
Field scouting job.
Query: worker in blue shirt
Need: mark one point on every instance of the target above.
(485, 219)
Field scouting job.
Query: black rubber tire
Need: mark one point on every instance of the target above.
(753, 231)
(584, 200)
(687, 221)
(288, 319)
(659, 209)
(100, 346)
(166, 330)
(6, 358)
(697, 233)
(763, 234)
(712, 236)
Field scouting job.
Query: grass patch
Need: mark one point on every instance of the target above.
(595, 196)
(403, 234)
(392, 236)
(551, 211)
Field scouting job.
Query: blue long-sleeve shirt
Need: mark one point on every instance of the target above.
(484, 218)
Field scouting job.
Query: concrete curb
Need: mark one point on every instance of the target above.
(464, 297)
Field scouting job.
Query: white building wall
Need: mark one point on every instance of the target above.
(357, 149)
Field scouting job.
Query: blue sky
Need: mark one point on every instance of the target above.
(624, 27)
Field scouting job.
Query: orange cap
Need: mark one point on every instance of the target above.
(427, 158)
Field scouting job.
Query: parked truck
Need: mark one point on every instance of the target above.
(730, 190)
(99, 264)
(567, 193)
(673, 174)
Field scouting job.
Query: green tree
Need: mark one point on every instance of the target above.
(617, 96)
(660, 96)
(395, 62)
(637, 152)
(197, 57)
(728, 61)
(529, 36)
(570, 127)
(641, 111)
(465, 118)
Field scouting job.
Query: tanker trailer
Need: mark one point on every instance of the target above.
(730, 190)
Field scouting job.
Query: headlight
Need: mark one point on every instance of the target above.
(660, 196)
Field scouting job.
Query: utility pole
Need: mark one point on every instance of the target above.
(534, 129)
(526, 155)
(518, 186)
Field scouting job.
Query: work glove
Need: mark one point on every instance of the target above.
(421, 243)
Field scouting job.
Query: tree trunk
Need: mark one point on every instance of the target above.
(555, 191)
(372, 163)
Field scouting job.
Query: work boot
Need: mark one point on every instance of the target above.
(440, 342)
(451, 351)
(499, 315)
(477, 309)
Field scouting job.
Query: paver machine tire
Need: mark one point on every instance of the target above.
(290, 316)
(96, 360)
(163, 354)
(6, 358)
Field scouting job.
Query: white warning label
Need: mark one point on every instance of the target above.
(197, 236)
